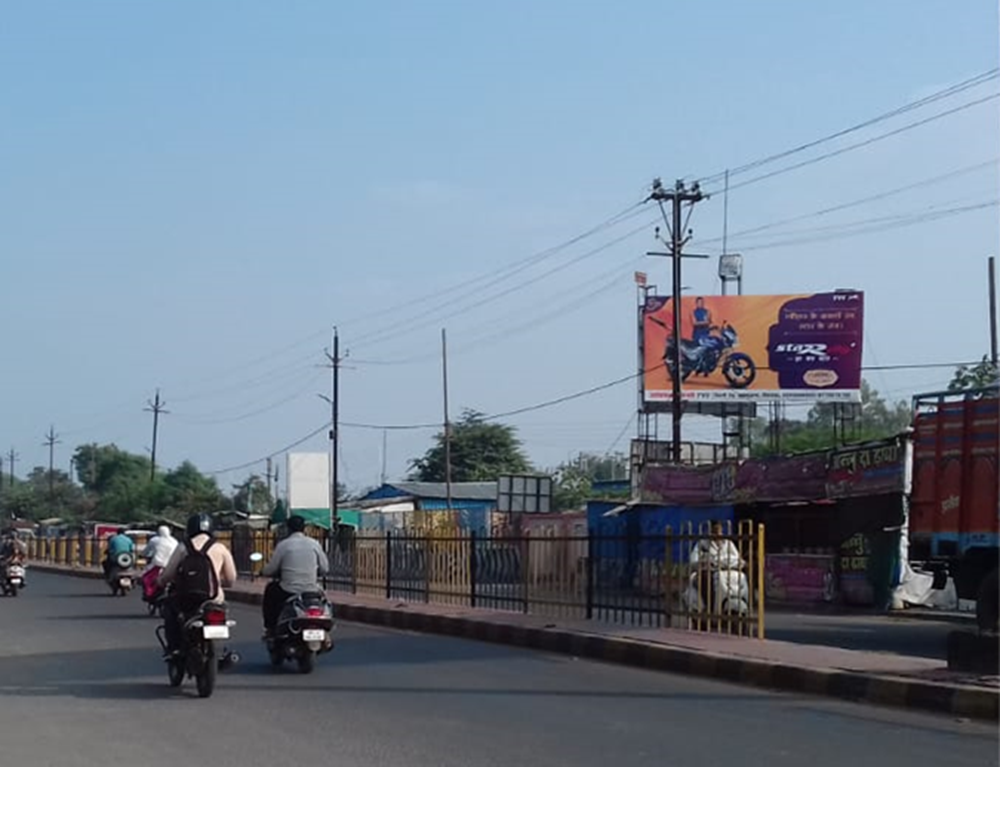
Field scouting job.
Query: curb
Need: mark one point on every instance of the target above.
(883, 690)
(940, 618)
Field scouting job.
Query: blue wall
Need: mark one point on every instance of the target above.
(640, 532)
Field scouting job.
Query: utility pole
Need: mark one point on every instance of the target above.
(385, 456)
(50, 441)
(993, 313)
(447, 422)
(334, 431)
(157, 408)
(12, 457)
(679, 236)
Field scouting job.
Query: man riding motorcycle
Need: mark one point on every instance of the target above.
(200, 529)
(118, 544)
(12, 549)
(158, 552)
(295, 566)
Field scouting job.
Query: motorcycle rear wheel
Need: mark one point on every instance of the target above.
(307, 661)
(205, 679)
(175, 672)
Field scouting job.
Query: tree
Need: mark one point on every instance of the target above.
(480, 451)
(877, 419)
(980, 376)
(98, 468)
(189, 491)
(573, 481)
(253, 496)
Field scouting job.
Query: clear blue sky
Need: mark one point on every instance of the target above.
(193, 193)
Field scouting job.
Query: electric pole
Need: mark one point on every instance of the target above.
(50, 441)
(12, 457)
(994, 357)
(334, 432)
(447, 422)
(679, 236)
(157, 408)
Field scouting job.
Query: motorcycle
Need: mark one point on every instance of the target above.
(197, 656)
(13, 578)
(718, 583)
(714, 351)
(304, 630)
(120, 573)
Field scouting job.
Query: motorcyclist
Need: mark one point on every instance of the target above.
(295, 567)
(158, 552)
(12, 549)
(118, 544)
(200, 530)
(712, 553)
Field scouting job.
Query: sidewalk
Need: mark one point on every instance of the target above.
(877, 678)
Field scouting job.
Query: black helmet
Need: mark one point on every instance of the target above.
(199, 524)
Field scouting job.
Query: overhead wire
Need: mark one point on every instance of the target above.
(957, 88)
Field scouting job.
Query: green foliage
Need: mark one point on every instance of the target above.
(980, 376)
(480, 451)
(253, 496)
(878, 419)
(115, 485)
(573, 481)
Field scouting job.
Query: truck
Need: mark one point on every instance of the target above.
(954, 517)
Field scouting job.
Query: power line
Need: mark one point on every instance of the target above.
(431, 317)
(947, 176)
(508, 271)
(560, 310)
(875, 226)
(957, 88)
(263, 458)
(863, 143)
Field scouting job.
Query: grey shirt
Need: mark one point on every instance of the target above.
(298, 558)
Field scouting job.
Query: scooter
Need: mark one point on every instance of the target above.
(723, 587)
(12, 580)
(304, 630)
(120, 574)
(197, 657)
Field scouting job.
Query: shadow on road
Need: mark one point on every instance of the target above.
(103, 616)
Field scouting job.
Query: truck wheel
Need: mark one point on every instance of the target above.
(987, 602)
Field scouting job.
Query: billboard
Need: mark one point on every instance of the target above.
(749, 348)
(309, 480)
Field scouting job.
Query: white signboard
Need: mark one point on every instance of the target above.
(308, 480)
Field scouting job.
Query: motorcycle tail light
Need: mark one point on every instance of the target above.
(314, 612)
(215, 617)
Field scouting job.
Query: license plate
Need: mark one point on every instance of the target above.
(313, 634)
(215, 632)
(14, 580)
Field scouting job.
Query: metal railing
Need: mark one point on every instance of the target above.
(692, 578)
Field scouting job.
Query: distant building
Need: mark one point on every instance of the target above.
(407, 496)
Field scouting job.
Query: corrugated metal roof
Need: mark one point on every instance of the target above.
(474, 491)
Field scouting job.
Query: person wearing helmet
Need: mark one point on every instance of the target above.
(199, 533)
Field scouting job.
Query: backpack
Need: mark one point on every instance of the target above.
(196, 581)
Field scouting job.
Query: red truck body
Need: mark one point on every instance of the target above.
(955, 496)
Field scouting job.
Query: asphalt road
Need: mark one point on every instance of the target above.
(872, 633)
(81, 683)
